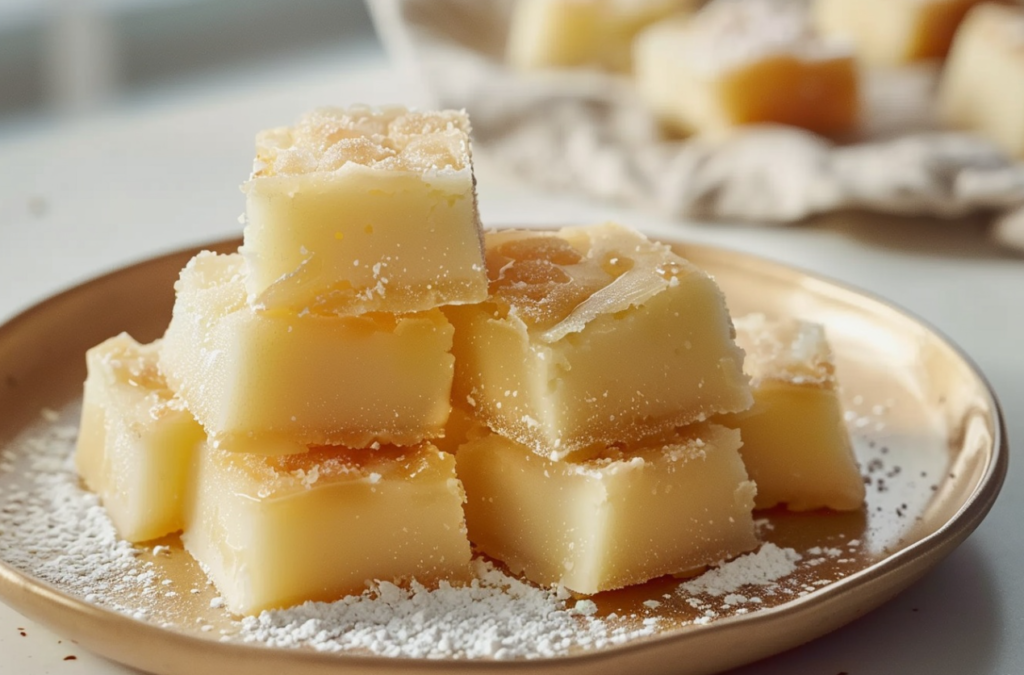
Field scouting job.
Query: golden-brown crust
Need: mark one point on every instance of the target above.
(394, 139)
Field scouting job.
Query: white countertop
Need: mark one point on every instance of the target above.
(84, 198)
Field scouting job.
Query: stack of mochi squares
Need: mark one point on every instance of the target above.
(608, 387)
(592, 367)
(371, 386)
(284, 422)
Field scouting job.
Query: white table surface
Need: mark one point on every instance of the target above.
(84, 198)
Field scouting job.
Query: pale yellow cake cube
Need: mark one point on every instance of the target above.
(136, 440)
(795, 443)
(982, 87)
(573, 33)
(591, 336)
(893, 32)
(622, 517)
(364, 210)
(275, 531)
(750, 62)
(277, 379)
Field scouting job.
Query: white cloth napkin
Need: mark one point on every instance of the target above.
(588, 132)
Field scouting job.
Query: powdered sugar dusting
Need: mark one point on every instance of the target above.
(767, 573)
(53, 530)
(497, 616)
(769, 564)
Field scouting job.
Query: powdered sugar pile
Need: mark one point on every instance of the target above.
(497, 616)
(765, 567)
(756, 574)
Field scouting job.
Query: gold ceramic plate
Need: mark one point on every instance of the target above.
(927, 431)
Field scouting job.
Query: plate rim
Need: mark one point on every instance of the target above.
(24, 593)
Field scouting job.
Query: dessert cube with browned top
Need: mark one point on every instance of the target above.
(750, 62)
(622, 516)
(795, 443)
(276, 381)
(274, 531)
(136, 440)
(364, 210)
(593, 336)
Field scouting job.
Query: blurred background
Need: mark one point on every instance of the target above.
(66, 58)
